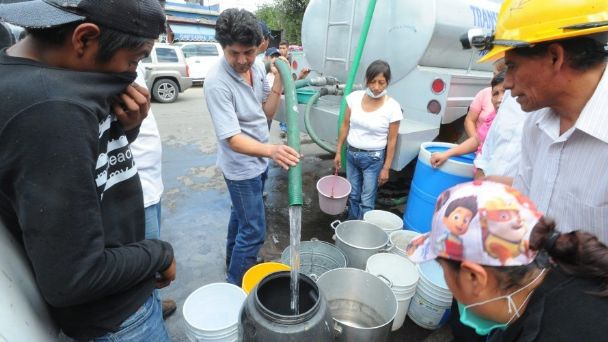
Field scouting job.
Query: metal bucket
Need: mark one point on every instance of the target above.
(316, 258)
(400, 239)
(362, 305)
(359, 240)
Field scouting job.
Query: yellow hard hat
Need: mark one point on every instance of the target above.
(522, 23)
(500, 204)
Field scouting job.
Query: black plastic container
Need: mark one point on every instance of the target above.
(267, 316)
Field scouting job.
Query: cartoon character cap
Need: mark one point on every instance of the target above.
(484, 222)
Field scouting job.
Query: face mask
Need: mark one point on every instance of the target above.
(371, 94)
(484, 326)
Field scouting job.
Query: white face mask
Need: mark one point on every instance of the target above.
(371, 94)
(484, 326)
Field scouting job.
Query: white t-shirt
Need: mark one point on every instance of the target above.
(147, 152)
(369, 130)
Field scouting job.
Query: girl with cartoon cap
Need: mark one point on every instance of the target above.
(505, 285)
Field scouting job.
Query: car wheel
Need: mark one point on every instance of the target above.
(165, 90)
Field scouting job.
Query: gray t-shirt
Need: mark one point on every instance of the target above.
(236, 107)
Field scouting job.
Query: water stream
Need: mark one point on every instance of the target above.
(295, 230)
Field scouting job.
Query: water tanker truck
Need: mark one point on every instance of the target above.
(433, 77)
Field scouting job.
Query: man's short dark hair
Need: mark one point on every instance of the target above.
(583, 53)
(284, 42)
(237, 26)
(110, 41)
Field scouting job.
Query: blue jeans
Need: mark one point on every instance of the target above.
(283, 127)
(362, 171)
(146, 324)
(152, 213)
(247, 226)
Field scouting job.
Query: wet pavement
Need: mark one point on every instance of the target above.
(196, 205)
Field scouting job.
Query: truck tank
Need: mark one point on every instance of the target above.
(405, 33)
(433, 78)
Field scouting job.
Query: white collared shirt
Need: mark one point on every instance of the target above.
(502, 148)
(567, 176)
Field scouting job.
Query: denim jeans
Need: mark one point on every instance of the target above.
(247, 226)
(283, 127)
(146, 324)
(152, 213)
(362, 171)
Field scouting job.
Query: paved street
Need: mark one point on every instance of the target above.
(195, 205)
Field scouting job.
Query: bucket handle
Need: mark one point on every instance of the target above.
(335, 224)
(385, 280)
(337, 329)
(389, 246)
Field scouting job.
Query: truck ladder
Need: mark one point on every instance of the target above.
(332, 24)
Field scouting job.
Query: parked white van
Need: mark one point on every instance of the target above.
(200, 56)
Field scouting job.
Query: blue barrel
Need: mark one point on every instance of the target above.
(429, 182)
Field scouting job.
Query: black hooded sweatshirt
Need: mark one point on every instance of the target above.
(70, 193)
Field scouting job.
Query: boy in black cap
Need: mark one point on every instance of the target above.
(70, 190)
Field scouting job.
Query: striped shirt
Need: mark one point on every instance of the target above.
(565, 175)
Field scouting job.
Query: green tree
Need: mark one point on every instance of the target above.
(285, 15)
(270, 15)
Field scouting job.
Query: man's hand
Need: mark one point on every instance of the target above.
(303, 73)
(132, 106)
(284, 156)
(167, 276)
(274, 69)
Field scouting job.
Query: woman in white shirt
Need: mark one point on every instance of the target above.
(370, 126)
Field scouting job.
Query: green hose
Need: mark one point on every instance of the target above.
(293, 132)
(302, 83)
(313, 135)
(353, 70)
(311, 132)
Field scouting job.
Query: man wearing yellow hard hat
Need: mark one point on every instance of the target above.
(556, 53)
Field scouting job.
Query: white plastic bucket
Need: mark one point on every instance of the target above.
(212, 312)
(333, 194)
(430, 306)
(386, 220)
(400, 239)
(401, 275)
(403, 305)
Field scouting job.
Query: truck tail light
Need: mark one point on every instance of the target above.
(438, 86)
(434, 107)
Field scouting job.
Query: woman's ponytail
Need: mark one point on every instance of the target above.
(577, 252)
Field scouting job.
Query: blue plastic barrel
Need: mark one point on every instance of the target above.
(429, 182)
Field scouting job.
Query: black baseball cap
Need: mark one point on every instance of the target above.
(265, 30)
(142, 18)
(272, 52)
